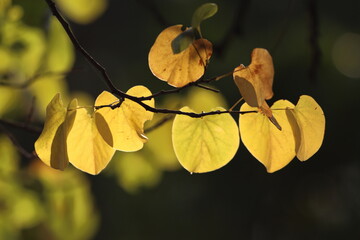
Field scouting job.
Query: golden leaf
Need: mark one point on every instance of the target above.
(127, 121)
(311, 125)
(273, 148)
(182, 68)
(86, 148)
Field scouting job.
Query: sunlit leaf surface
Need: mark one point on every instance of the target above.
(51, 145)
(272, 147)
(127, 121)
(205, 144)
(255, 81)
(86, 148)
(182, 68)
(311, 121)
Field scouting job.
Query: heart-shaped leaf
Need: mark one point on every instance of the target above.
(273, 148)
(126, 122)
(86, 148)
(205, 144)
(311, 122)
(182, 68)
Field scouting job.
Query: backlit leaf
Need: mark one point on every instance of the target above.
(86, 148)
(182, 68)
(311, 121)
(127, 121)
(205, 144)
(51, 145)
(202, 13)
(273, 148)
(255, 81)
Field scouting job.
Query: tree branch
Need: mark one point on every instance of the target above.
(21, 125)
(79, 47)
(15, 142)
(121, 94)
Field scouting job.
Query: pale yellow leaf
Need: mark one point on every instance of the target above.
(205, 144)
(51, 145)
(86, 148)
(272, 147)
(182, 68)
(127, 121)
(311, 121)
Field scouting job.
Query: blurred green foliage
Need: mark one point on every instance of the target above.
(315, 200)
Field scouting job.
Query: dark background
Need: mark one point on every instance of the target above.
(317, 199)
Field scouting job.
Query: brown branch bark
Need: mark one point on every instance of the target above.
(122, 95)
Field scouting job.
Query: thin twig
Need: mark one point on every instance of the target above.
(122, 95)
(79, 47)
(28, 82)
(159, 123)
(21, 125)
(15, 142)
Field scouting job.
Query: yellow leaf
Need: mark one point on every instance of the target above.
(205, 144)
(273, 148)
(51, 145)
(182, 68)
(127, 121)
(86, 148)
(255, 81)
(83, 11)
(311, 121)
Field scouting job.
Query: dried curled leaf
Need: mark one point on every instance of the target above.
(127, 121)
(273, 148)
(182, 68)
(86, 148)
(205, 144)
(311, 126)
(255, 81)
